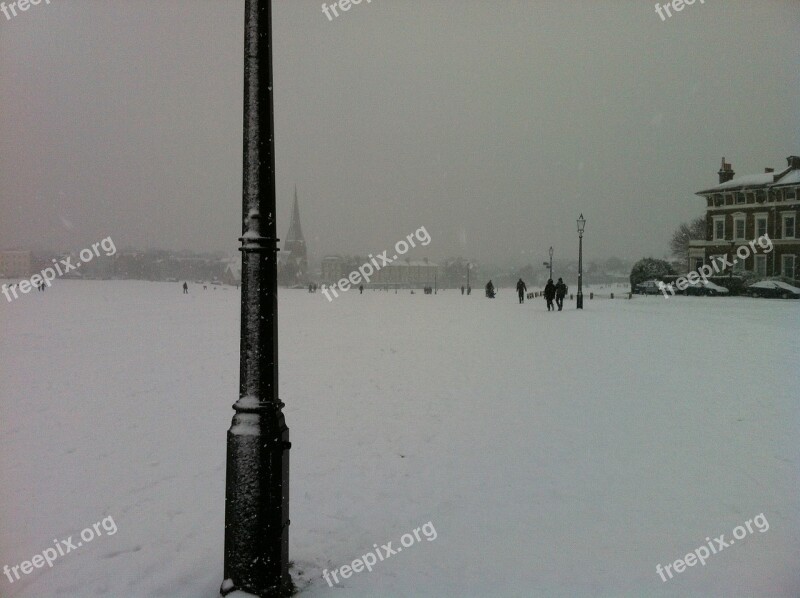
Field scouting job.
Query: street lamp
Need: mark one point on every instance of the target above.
(257, 470)
(581, 226)
(551, 263)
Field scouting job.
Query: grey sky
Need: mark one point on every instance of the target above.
(492, 124)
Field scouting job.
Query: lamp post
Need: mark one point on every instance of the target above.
(257, 476)
(730, 272)
(551, 263)
(581, 227)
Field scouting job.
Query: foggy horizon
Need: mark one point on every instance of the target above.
(126, 121)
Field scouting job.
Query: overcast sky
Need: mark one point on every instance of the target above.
(491, 124)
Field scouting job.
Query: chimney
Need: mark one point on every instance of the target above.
(725, 172)
(793, 162)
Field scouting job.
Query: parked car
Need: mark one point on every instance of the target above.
(705, 287)
(648, 287)
(774, 289)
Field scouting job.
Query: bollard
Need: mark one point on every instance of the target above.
(591, 295)
(612, 295)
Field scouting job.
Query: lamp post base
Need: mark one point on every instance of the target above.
(257, 503)
(579, 301)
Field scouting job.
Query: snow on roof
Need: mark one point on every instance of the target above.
(791, 178)
(749, 180)
(772, 284)
(764, 179)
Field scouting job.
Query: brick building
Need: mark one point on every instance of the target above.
(740, 209)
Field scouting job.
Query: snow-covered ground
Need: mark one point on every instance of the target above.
(556, 454)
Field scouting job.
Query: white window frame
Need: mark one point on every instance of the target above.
(760, 259)
(784, 217)
(719, 219)
(737, 218)
(761, 216)
(784, 258)
(740, 195)
(791, 190)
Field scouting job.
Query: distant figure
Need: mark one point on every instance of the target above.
(462, 289)
(361, 289)
(521, 288)
(469, 290)
(490, 292)
(549, 294)
(205, 287)
(561, 290)
(186, 289)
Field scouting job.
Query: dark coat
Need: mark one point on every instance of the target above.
(549, 291)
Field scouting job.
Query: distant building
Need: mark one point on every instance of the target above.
(15, 264)
(741, 209)
(335, 267)
(233, 271)
(293, 259)
(398, 274)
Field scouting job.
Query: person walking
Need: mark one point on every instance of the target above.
(361, 289)
(490, 292)
(521, 288)
(549, 294)
(561, 291)
(462, 289)
(186, 289)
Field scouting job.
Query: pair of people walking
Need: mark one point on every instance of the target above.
(555, 291)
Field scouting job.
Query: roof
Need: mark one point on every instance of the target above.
(792, 178)
(750, 180)
(765, 179)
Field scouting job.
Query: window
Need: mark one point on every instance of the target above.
(698, 263)
(790, 194)
(760, 196)
(761, 225)
(718, 199)
(728, 199)
(788, 225)
(738, 227)
(788, 266)
(719, 228)
(740, 197)
(761, 265)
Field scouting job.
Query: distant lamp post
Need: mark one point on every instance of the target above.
(551, 263)
(581, 227)
(730, 272)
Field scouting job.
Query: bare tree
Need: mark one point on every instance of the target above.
(694, 231)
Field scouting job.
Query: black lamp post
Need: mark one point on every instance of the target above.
(257, 477)
(581, 227)
(551, 263)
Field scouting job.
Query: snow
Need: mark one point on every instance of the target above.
(556, 454)
(748, 180)
(774, 284)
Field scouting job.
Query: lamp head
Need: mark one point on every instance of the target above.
(581, 223)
